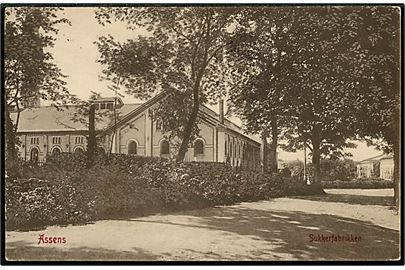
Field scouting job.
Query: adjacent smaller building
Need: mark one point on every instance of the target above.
(387, 167)
(381, 166)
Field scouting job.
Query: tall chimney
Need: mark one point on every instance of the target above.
(221, 111)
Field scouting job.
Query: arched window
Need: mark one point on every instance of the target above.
(56, 151)
(159, 124)
(198, 147)
(132, 148)
(164, 148)
(79, 150)
(34, 155)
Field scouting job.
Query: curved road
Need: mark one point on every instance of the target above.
(293, 228)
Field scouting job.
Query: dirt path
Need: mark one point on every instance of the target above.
(278, 229)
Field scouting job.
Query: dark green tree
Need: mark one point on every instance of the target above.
(261, 58)
(29, 71)
(323, 88)
(378, 85)
(298, 78)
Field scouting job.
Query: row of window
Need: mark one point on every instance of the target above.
(233, 149)
(79, 139)
(34, 140)
(34, 154)
(132, 146)
(165, 148)
(57, 140)
(103, 106)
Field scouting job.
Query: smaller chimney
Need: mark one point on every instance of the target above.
(221, 111)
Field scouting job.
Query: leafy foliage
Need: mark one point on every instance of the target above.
(29, 71)
(120, 185)
(29, 68)
(337, 63)
(260, 61)
(331, 170)
(359, 183)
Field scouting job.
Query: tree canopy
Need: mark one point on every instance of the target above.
(339, 62)
(29, 71)
(29, 68)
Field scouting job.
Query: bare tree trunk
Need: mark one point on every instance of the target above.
(197, 77)
(396, 176)
(316, 162)
(115, 126)
(187, 134)
(273, 147)
(91, 146)
(263, 152)
(17, 121)
(191, 121)
(11, 153)
(397, 182)
(316, 154)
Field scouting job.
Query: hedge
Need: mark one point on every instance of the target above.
(359, 183)
(66, 191)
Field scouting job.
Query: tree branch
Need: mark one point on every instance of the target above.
(194, 55)
(307, 145)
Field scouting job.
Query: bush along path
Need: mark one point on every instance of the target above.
(359, 183)
(64, 191)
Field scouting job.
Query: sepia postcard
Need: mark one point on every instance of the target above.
(220, 133)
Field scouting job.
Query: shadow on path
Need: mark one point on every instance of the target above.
(351, 199)
(21, 251)
(288, 234)
(263, 234)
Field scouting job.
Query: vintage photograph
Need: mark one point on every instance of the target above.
(195, 133)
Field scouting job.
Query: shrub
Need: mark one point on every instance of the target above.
(33, 202)
(331, 170)
(359, 183)
(117, 193)
(121, 185)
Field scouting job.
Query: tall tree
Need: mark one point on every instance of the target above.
(181, 56)
(262, 53)
(29, 71)
(324, 79)
(378, 85)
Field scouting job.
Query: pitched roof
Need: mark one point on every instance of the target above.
(50, 119)
(228, 123)
(108, 99)
(388, 156)
(376, 158)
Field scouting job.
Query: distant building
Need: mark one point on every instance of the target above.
(387, 167)
(45, 130)
(381, 166)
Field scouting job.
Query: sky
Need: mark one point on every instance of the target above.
(76, 54)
